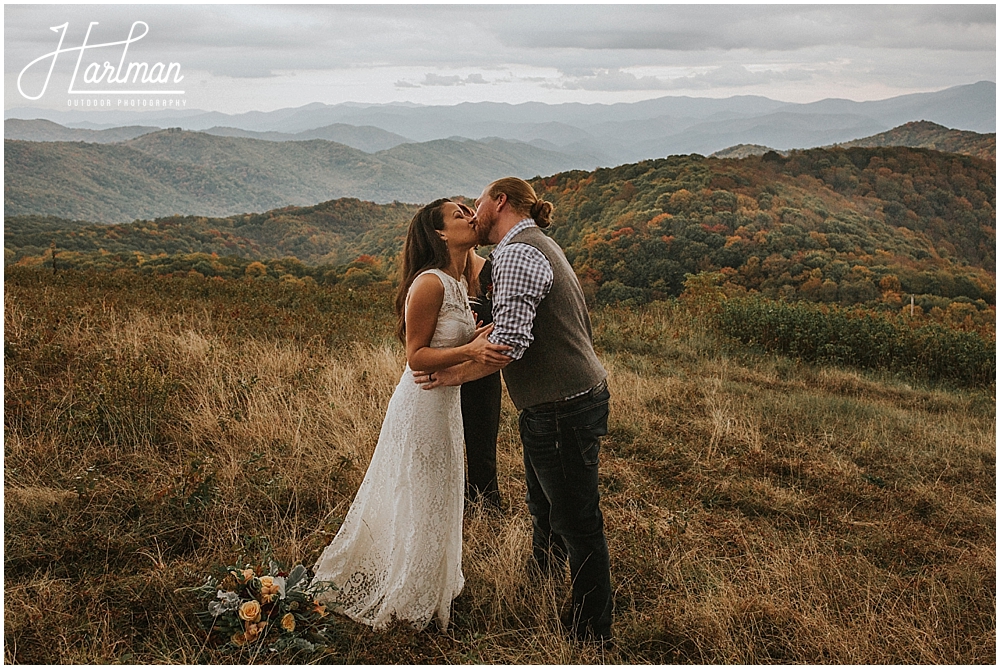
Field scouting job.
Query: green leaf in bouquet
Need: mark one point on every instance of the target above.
(294, 576)
(298, 643)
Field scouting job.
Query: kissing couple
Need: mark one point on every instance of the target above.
(398, 554)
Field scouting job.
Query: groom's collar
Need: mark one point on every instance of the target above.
(521, 225)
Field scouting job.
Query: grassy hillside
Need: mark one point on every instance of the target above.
(176, 172)
(758, 510)
(927, 135)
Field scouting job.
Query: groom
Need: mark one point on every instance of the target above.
(559, 386)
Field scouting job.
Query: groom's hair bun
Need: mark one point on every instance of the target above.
(541, 211)
(523, 199)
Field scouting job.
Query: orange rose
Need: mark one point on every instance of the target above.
(254, 630)
(250, 611)
(288, 622)
(239, 639)
(266, 581)
(247, 575)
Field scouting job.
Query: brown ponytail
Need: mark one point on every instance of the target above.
(423, 249)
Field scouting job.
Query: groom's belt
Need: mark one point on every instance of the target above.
(568, 402)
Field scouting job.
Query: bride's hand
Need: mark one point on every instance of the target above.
(483, 351)
(443, 377)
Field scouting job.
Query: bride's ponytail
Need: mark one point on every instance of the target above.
(423, 249)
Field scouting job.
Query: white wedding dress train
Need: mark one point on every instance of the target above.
(399, 552)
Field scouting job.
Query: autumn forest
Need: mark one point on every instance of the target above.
(856, 226)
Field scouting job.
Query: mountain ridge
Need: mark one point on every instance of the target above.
(915, 134)
(176, 171)
(620, 133)
(41, 130)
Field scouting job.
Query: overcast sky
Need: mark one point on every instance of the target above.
(237, 58)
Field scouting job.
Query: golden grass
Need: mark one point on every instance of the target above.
(757, 511)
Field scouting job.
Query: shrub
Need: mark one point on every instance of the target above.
(820, 333)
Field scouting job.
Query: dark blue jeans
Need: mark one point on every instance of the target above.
(561, 444)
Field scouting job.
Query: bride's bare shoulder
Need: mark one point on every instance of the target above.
(425, 291)
(428, 281)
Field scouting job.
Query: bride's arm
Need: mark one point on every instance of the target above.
(422, 309)
(453, 376)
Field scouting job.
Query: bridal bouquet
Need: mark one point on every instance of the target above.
(276, 611)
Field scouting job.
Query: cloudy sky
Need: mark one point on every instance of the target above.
(236, 58)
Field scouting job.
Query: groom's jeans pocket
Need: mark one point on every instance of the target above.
(541, 426)
(579, 427)
(587, 435)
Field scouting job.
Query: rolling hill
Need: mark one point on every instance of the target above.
(916, 134)
(857, 225)
(40, 130)
(327, 233)
(365, 138)
(742, 151)
(927, 135)
(179, 172)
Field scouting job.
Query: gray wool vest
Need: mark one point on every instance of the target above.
(560, 362)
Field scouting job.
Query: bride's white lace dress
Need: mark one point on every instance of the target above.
(399, 552)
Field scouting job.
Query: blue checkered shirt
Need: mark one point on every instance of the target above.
(522, 276)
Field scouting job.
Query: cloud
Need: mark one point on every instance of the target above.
(585, 53)
(614, 80)
(734, 76)
(257, 40)
(431, 79)
(758, 27)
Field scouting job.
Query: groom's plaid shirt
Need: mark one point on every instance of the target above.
(522, 276)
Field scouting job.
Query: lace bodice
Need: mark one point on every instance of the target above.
(456, 323)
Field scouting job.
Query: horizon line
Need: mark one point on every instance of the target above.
(512, 104)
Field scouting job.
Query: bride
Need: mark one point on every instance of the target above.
(399, 552)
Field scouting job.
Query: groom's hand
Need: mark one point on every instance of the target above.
(449, 376)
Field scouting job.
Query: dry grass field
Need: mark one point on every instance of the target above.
(758, 510)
